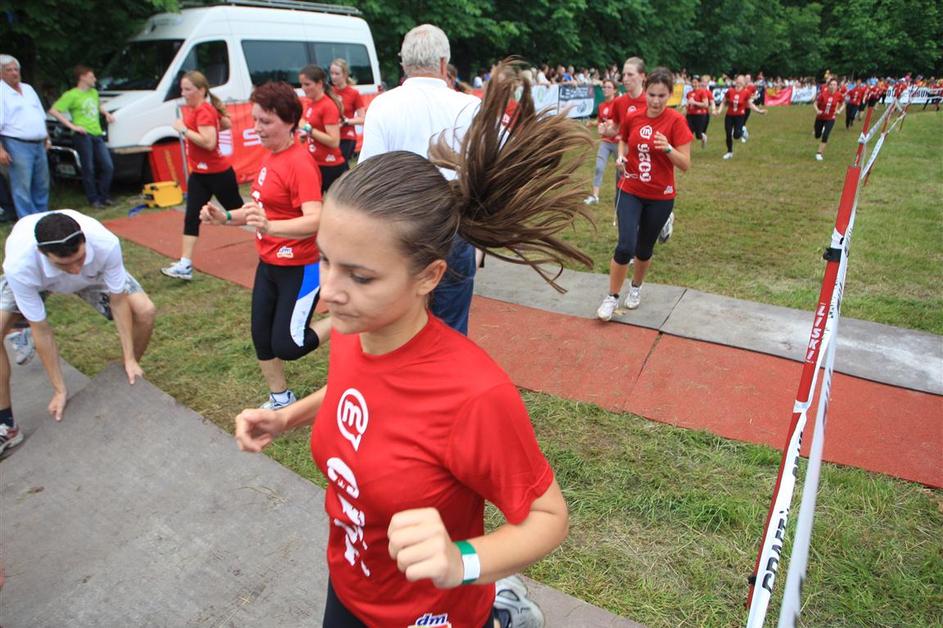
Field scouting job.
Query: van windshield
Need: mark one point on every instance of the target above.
(139, 66)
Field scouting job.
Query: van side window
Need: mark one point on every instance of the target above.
(275, 60)
(209, 57)
(357, 58)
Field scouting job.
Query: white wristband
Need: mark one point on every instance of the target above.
(471, 565)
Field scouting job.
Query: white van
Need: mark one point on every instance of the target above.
(237, 44)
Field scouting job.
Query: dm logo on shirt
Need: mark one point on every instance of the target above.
(669, 190)
(202, 166)
(352, 419)
(285, 252)
(632, 109)
(646, 132)
(428, 619)
(330, 158)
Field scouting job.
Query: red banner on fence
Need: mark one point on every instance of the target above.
(778, 97)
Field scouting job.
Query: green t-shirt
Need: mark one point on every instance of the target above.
(83, 107)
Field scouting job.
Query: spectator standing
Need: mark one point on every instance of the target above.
(422, 110)
(23, 140)
(83, 106)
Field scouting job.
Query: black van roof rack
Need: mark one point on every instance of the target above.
(296, 5)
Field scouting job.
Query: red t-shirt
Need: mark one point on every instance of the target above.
(319, 114)
(828, 103)
(751, 88)
(605, 115)
(416, 428)
(703, 95)
(899, 88)
(737, 101)
(624, 106)
(510, 114)
(286, 180)
(199, 159)
(649, 172)
(352, 101)
(857, 94)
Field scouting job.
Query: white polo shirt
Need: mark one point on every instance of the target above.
(411, 115)
(21, 115)
(29, 273)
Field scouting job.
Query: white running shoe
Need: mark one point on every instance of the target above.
(728, 155)
(668, 229)
(23, 347)
(703, 140)
(273, 404)
(10, 436)
(634, 297)
(592, 199)
(511, 596)
(746, 135)
(607, 307)
(178, 270)
(818, 157)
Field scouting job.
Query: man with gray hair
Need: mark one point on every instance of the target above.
(411, 116)
(23, 140)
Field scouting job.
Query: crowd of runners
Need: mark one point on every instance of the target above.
(389, 247)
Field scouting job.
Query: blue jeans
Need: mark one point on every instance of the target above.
(29, 176)
(97, 168)
(451, 300)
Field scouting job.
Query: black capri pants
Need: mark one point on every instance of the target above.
(347, 149)
(733, 129)
(698, 124)
(851, 111)
(283, 300)
(822, 129)
(330, 174)
(640, 222)
(201, 187)
(336, 615)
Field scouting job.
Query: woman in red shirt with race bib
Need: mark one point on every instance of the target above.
(828, 105)
(417, 427)
(352, 103)
(856, 97)
(699, 104)
(652, 143)
(211, 173)
(285, 210)
(737, 99)
(322, 127)
(608, 145)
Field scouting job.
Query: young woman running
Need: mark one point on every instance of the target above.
(828, 105)
(322, 116)
(699, 106)
(285, 210)
(856, 96)
(352, 103)
(211, 173)
(652, 144)
(633, 100)
(736, 101)
(405, 428)
(608, 145)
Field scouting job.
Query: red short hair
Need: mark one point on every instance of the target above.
(280, 98)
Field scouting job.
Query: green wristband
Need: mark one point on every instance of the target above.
(228, 215)
(471, 565)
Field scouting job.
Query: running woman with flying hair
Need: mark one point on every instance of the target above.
(736, 101)
(652, 143)
(285, 210)
(608, 145)
(352, 103)
(856, 96)
(404, 431)
(828, 105)
(322, 124)
(211, 172)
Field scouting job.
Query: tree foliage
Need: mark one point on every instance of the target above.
(785, 37)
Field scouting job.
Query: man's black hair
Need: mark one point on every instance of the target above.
(62, 232)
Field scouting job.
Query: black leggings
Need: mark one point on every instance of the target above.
(336, 615)
(823, 128)
(640, 222)
(201, 188)
(330, 174)
(850, 112)
(733, 129)
(698, 124)
(283, 300)
(347, 149)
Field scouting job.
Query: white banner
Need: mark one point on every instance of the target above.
(803, 94)
(577, 98)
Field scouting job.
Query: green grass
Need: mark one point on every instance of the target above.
(755, 227)
(665, 522)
